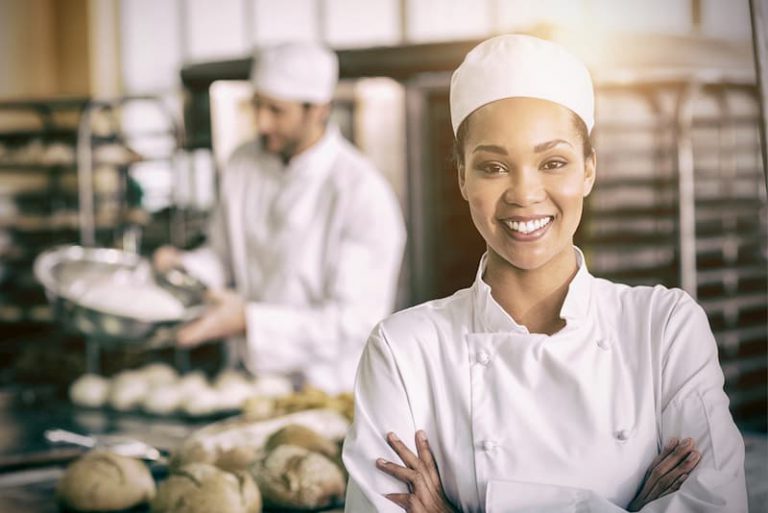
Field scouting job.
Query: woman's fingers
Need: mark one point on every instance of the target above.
(667, 472)
(425, 455)
(404, 500)
(665, 451)
(404, 474)
(402, 450)
(676, 485)
(419, 472)
(656, 470)
(684, 464)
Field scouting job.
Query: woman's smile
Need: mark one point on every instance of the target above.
(527, 228)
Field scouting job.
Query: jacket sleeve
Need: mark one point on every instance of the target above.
(693, 404)
(378, 383)
(360, 291)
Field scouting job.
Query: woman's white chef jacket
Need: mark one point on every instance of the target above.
(535, 423)
(315, 247)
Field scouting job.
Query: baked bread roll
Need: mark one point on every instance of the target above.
(105, 481)
(208, 443)
(305, 437)
(202, 488)
(293, 477)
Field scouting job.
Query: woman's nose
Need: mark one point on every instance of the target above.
(524, 188)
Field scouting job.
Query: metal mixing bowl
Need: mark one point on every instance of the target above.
(65, 271)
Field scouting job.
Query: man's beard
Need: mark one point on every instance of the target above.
(285, 152)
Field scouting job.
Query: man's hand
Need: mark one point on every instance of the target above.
(420, 474)
(224, 318)
(165, 258)
(667, 472)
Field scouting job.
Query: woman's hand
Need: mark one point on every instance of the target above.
(667, 472)
(420, 474)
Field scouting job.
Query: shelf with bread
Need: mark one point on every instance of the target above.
(72, 170)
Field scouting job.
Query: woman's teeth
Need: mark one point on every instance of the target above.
(528, 226)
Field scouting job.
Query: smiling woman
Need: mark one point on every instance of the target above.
(541, 387)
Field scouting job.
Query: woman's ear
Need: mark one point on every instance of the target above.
(590, 170)
(462, 180)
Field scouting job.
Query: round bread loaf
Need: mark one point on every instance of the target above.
(294, 477)
(104, 481)
(302, 436)
(203, 488)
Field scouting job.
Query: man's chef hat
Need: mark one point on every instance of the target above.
(513, 66)
(298, 71)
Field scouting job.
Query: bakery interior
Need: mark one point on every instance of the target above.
(117, 116)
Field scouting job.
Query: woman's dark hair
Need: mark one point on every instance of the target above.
(461, 136)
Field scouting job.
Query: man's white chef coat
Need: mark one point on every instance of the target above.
(314, 247)
(522, 422)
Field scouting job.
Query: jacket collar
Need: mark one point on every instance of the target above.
(490, 317)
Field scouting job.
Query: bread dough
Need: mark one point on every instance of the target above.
(230, 377)
(272, 386)
(192, 382)
(128, 390)
(163, 399)
(159, 374)
(148, 303)
(294, 477)
(203, 488)
(90, 390)
(203, 401)
(104, 481)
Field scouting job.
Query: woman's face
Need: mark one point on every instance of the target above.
(525, 178)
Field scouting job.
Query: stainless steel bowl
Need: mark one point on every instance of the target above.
(64, 272)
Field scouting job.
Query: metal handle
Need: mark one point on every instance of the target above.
(68, 437)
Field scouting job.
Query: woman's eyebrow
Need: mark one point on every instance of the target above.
(491, 148)
(549, 145)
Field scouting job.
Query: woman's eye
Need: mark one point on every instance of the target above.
(493, 169)
(551, 165)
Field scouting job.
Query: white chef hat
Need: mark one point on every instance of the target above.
(296, 71)
(512, 66)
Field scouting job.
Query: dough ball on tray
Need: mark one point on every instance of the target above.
(90, 390)
(158, 374)
(129, 388)
(162, 400)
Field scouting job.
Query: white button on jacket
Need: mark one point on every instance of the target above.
(561, 423)
(315, 248)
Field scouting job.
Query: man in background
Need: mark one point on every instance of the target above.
(305, 245)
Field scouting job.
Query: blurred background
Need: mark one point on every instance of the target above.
(116, 115)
